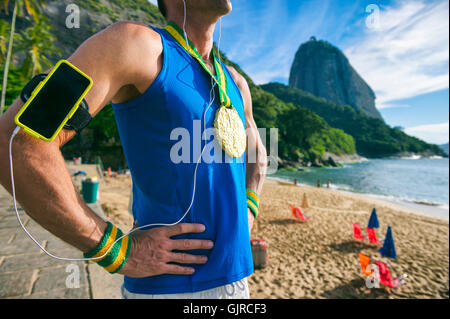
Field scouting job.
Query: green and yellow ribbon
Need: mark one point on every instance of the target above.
(178, 35)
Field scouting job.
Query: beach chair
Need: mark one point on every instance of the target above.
(297, 214)
(386, 278)
(357, 233)
(364, 261)
(372, 235)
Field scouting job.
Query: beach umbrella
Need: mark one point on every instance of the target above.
(388, 249)
(373, 221)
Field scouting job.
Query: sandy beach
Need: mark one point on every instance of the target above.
(318, 259)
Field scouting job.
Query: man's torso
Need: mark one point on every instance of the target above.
(174, 105)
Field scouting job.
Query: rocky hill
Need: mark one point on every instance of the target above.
(309, 133)
(373, 137)
(312, 144)
(323, 70)
(94, 17)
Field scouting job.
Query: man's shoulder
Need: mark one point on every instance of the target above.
(237, 77)
(131, 51)
(128, 36)
(134, 43)
(130, 30)
(240, 81)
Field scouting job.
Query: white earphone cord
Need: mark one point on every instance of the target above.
(212, 96)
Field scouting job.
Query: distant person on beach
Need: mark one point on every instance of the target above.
(319, 184)
(156, 86)
(328, 183)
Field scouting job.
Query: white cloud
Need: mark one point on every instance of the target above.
(393, 105)
(432, 133)
(266, 52)
(408, 55)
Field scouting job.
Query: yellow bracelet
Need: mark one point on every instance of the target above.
(117, 255)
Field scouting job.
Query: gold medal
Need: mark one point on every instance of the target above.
(230, 132)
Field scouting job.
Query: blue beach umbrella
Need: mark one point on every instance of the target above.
(373, 221)
(388, 249)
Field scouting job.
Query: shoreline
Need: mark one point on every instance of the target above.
(431, 211)
(318, 259)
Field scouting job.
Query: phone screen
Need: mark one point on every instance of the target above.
(54, 101)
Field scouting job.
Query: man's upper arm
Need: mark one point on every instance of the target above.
(246, 95)
(126, 53)
(256, 152)
(117, 56)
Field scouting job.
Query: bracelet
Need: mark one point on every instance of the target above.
(253, 202)
(117, 256)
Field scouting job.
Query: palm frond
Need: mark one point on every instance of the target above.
(32, 8)
(5, 5)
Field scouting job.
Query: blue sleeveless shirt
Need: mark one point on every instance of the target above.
(153, 127)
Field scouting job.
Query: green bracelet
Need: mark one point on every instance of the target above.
(253, 202)
(117, 255)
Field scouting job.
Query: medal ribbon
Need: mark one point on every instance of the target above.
(175, 31)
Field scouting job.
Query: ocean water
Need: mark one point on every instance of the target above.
(419, 183)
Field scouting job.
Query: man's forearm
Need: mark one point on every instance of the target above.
(44, 187)
(256, 167)
(256, 163)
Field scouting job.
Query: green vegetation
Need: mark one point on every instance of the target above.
(307, 126)
(99, 139)
(35, 47)
(303, 135)
(373, 137)
(115, 8)
(33, 8)
(15, 84)
(34, 43)
(4, 32)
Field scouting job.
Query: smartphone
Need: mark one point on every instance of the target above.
(54, 101)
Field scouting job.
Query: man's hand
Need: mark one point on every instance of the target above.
(152, 251)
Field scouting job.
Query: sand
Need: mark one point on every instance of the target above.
(318, 259)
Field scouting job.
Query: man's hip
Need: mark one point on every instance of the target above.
(236, 290)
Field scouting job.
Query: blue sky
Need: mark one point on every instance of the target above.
(400, 47)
